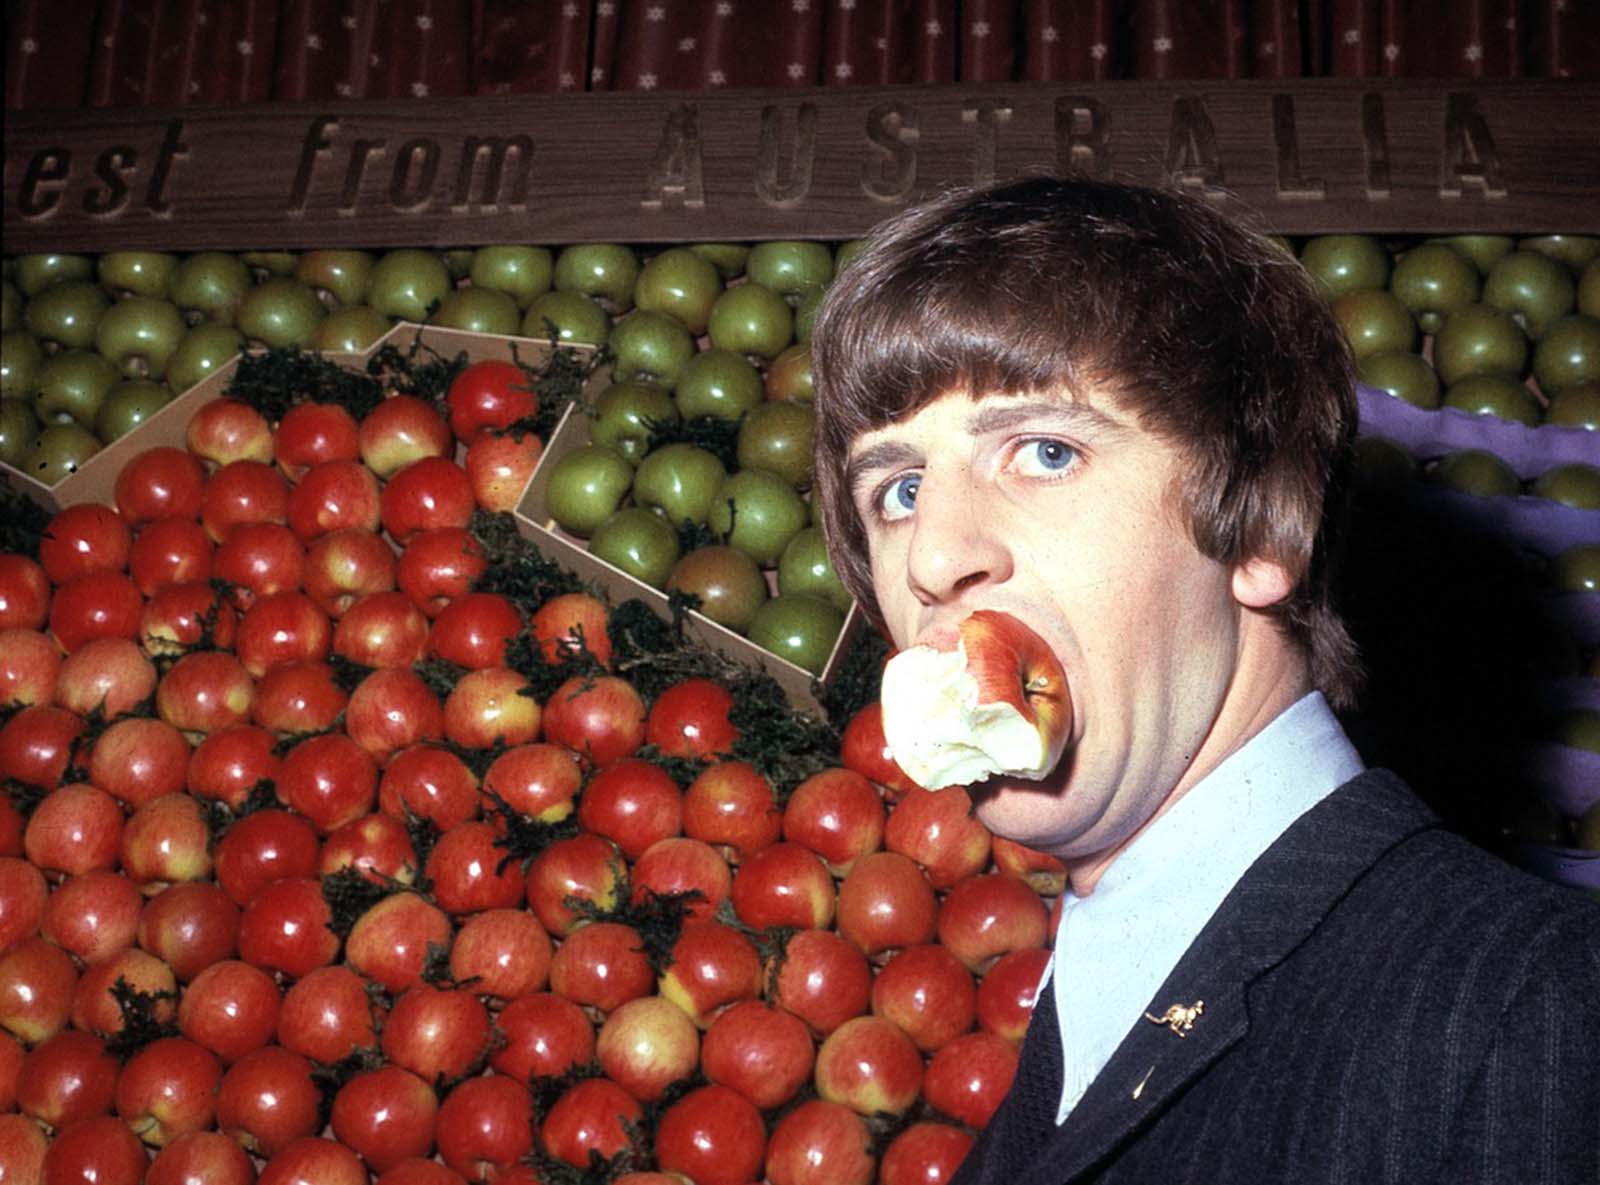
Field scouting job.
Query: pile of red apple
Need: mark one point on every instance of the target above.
(278, 903)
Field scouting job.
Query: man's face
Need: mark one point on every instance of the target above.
(1060, 511)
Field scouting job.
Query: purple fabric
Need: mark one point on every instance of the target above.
(1568, 778)
(1567, 866)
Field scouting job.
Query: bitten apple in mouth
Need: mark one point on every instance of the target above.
(992, 702)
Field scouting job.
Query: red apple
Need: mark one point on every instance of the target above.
(205, 692)
(329, 779)
(592, 1115)
(243, 492)
(503, 953)
(281, 627)
(711, 966)
(543, 1036)
(470, 873)
(885, 903)
(731, 806)
(1042, 872)
(201, 1158)
(163, 482)
(82, 540)
(714, 1136)
(601, 719)
(377, 846)
(486, 1127)
(393, 709)
(499, 467)
(140, 758)
(492, 706)
(784, 884)
(65, 1078)
(168, 1089)
(327, 1015)
(433, 1031)
(100, 605)
(299, 696)
(385, 1115)
(392, 942)
(473, 629)
(1008, 990)
(286, 928)
(428, 494)
(646, 1045)
(95, 1007)
(23, 893)
(928, 993)
(540, 780)
(679, 865)
(400, 430)
(984, 917)
(227, 430)
(190, 927)
(938, 830)
(94, 915)
(632, 802)
(870, 1066)
(343, 566)
(24, 593)
(263, 847)
(820, 1143)
(30, 665)
(101, 1149)
(690, 719)
(582, 868)
(74, 830)
(311, 1160)
(565, 620)
(314, 433)
(171, 551)
(968, 1077)
(838, 815)
(259, 559)
(111, 674)
(438, 566)
(925, 1153)
(382, 629)
(178, 617)
(334, 496)
(37, 743)
(431, 783)
(166, 840)
(764, 1053)
(601, 965)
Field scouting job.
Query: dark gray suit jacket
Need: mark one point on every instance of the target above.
(1384, 1002)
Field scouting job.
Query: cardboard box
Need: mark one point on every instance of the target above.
(572, 552)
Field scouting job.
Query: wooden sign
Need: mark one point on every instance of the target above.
(1309, 156)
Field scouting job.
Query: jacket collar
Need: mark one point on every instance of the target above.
(1279, 902)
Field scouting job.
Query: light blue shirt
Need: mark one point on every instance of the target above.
(1115, 948)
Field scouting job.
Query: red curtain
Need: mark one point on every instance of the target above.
(123, 52)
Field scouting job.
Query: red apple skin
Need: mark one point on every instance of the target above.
(585, 866)
(543, 1035)
(885, 903)
(601, 965)
(820, 1143)
(486, 1127)
(168, 1089)
(281, 627)
(343, 566)
(229, 430)
(190, 926)
(438, 566)
(838, 815)
(201, 1158)
(731, 806)
(267, 1100)
(489, 707)
(822, 978)
(677, 864)
(862, 747)
(400, 430)
(393, 709)
(74, 830)
(422, 1172)
(503, 953)
(1042, 872)
(95, 1009)
(11, 1055)
(784, 884)
(925, 1153)
(469, 873)
(632, 802)
(11, 827)
(139, 759)
(173, 617)
(986, 916)
(100, 605)
(259, 559)
(968, 1077)
(500, 467)
(24, 593)
(286, 928)
(230, 1008)
(927, 992)
(937, 829)
(30, 667)
(377, 846)
(22, 1146)
(263, 847)
(538, 780)
(690, 719)
(243, 492)
(429, 782)
(429, 494)
(312, 433)
(160, 483)
(389, 943)
(1008, 990)
(385, 1115)
(327, 1015)
(111, 674)
(94, 915)
(764, 1053)
(561, 621)
(646, 1045)
(328, 779)
(589, 1116)
(433, 1031)
(870, 1066)
(37, 743)
(166, 841)
(67, 1077)
(601, 719)
(37, 983)
(170, 551)
(82, 540)
(714, 1136)
(297, 697)
(711, 966)
(334, 496)
(472, 630)
(382, 629)
(205, 692)
(101, 1149)
(311, 1160)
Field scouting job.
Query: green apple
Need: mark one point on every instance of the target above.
(1434, 280)
(204, 350)
(751, 318)
(281, 312)
(1589, 290)
(340, 276)
(350, 330)
(1404, 375)
(210, 285)
(627, 413)
(1535, 289)
(458, 261)
(37, 272)
(1572, 484)
(18, 428)
(805, 567)
(718, 383)
(11, 303)
(58, 451)
(805, 314)
(270, 263)
(849, 249)
(1577, 569)
(567, 317)
(799, 628)
(1575, 251)
(67, 313)
(758, 512)
(1579, 729)
(1374, 322)
(1382, 468)
(140, 334)
(1345, 263)
(21, 359)
(1575, 407)
(137, 273)
(791, 268)
(651, 346)
(605, 272)
(778, 436)
(1568, 355)
(728, 582)
(586, 487)
(1477, 471)
(1502, 395)
(789, 375)
(1482, 250)
(72, 386)
(727, 258)
(479, 310)
(682, 285)
(638, 541)
(680, 480)
(129, 404)
(521, 272)
(407, 282)
(1478, 339)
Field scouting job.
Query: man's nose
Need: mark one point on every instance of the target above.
(956, 545)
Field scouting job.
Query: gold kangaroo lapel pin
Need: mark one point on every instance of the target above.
(1179, 1018)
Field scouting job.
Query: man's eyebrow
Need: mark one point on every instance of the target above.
(998, 417)
(890, 454)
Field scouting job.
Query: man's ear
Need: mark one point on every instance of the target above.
(1259, 583)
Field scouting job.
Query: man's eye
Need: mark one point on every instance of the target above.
(1044, 457)
(899, 497)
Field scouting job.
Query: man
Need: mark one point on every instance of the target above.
(1126, 421)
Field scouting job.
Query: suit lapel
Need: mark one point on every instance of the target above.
(1275, 907)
